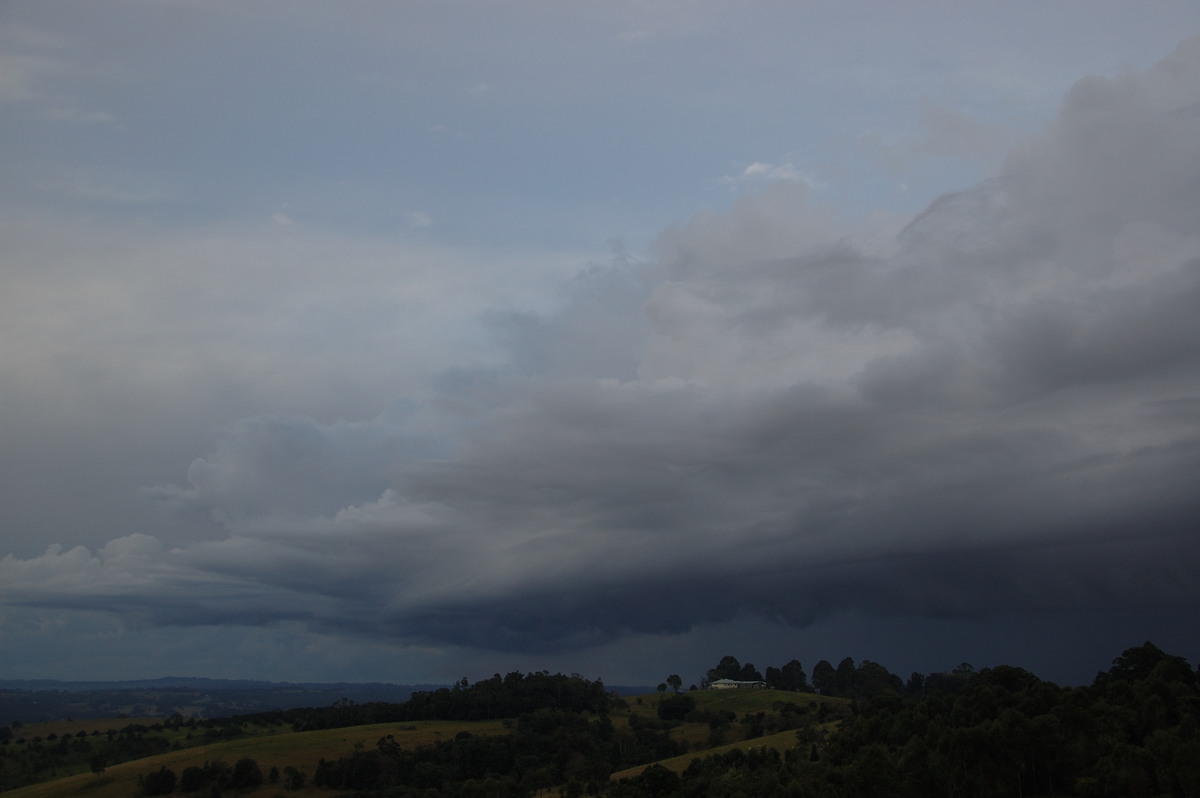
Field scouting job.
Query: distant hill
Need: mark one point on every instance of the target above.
(626, 689)
(194, 682)
(999, 731)
(40, 700)
(37, 700)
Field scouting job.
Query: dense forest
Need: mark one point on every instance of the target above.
(1135, 731)
(852, 730)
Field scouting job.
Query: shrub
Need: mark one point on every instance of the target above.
(192, 779)
(293, 779)
(676, 707)
(160, 782)
(246, 774)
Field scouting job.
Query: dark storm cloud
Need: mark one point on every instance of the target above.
(995, 415)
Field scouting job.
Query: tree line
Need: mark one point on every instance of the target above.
(862, 681)
(489, 699)
(999, 732)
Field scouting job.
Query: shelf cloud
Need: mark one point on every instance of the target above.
(1000, 413)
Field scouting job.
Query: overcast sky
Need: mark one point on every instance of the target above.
(408, 341)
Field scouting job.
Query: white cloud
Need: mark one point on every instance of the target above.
(760, 172)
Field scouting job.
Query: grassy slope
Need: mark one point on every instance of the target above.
(302, 750)
(740, 702)
(192, 739)
(782, 741)
(72, 727)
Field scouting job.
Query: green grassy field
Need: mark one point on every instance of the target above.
(781, 741)
(301, 750)
(280, 747)
(73, 727)
(739, 702)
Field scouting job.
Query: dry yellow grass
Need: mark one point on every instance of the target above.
(73, 727)
(301, 750)
(739, 702)
(783, 741)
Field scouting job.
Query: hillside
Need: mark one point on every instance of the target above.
(999, 732)
(718, 719)
(279, 750)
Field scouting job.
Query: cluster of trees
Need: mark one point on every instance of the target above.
(863, 681)
(215, 777)
(994, 733)
(571, 750)
(1135, 731)
(244, 775)
(789, 677)
(870, 680)
(29, 761)
(498, 697)
(509, 697)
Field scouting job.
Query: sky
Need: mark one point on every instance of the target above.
(404, 342)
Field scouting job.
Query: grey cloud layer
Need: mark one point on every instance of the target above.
(999, 413)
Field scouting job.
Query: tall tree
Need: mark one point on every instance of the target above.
(847, 679)
(1139, 662)
(916, 683)
(749, 673)
(824, 678)
(727, 668)
(793, 677)
(873, 680)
